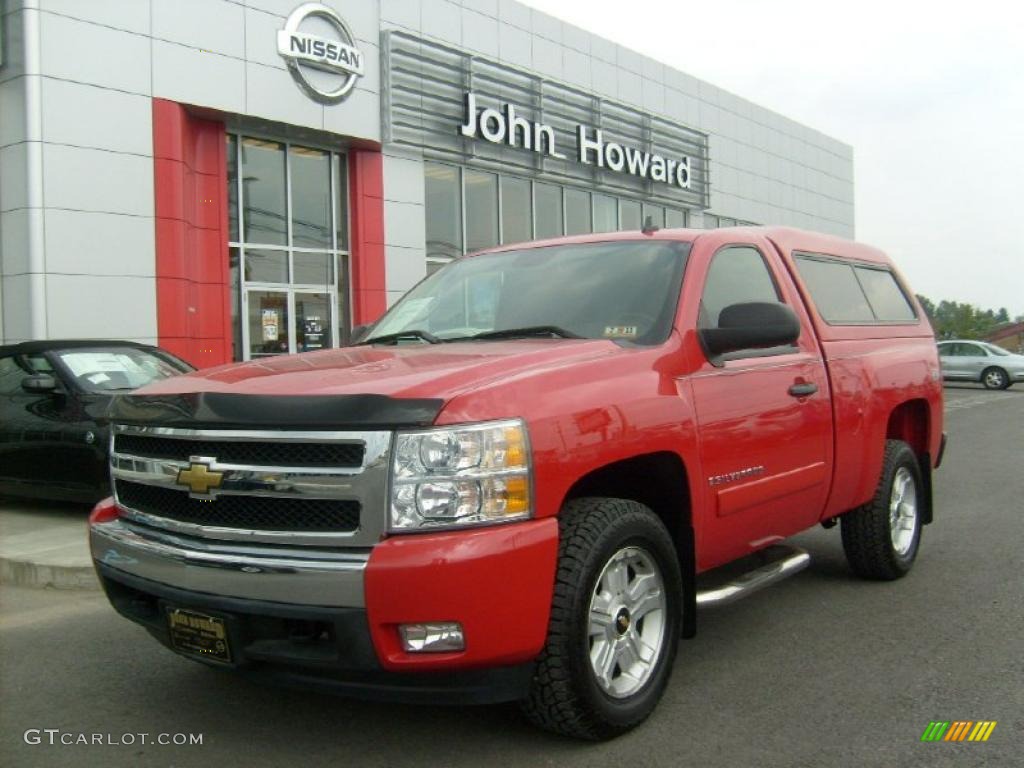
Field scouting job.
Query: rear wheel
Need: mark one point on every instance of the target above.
(995, 378)
(615, 621)
(881, 538)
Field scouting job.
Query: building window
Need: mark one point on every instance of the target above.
(577, 212)
(481, 209)
(606, 213)
(656, 213)
(516, 210)
(288, 225)
(469, 210)
(443, 191)
(629, 215)
(675, 219)
(549, 210)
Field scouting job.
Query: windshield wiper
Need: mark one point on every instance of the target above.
(530, 330)
(396, 337)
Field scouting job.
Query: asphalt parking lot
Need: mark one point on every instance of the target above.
(820, 670)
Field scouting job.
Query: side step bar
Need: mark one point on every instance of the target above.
(770, 565)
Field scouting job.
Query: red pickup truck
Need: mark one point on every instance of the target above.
(522, 482)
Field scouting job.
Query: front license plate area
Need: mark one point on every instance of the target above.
(199, 634)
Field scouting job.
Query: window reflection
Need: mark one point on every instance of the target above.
(577, 212)
(469, 210)
(516, 210)
(657, 214)
(311, 197)
(263, 266)
(443, 211)
(549, 210)
(481, 210)
(629, 215)
(263, 192)
(606, 213)
(675, 219)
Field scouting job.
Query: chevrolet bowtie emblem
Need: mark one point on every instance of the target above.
(200, 478)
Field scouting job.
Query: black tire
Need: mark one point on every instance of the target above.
(995, 378)
(565, 696)
(868, 537)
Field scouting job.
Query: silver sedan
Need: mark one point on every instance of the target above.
(980, 361)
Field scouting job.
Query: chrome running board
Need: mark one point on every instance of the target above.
(770, 565)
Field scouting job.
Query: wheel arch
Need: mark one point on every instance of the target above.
(659, 481)
(910, 421)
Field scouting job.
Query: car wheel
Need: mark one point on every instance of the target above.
(882, 537)
(995, 378)
(615, 621)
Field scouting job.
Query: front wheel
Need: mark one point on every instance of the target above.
(995, 378)
(615, 621)
(881, 538)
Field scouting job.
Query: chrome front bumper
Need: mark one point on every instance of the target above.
(296, 575)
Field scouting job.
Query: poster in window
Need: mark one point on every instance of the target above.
(271, 324)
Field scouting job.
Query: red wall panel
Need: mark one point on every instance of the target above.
(190, 196)
(366, 235)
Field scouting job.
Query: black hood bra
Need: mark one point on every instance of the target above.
(224, 409)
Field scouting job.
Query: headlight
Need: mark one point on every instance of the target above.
(462, 475)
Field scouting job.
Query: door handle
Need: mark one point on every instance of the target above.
(803, 389)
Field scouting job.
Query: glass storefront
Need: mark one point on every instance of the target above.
(288, 212)
(498, 208)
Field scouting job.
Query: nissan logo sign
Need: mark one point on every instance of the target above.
(320, 51)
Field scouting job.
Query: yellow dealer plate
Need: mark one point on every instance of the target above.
(199, 634)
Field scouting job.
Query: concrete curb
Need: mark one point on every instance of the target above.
(22, 573)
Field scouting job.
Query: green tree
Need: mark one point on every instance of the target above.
(955, 320)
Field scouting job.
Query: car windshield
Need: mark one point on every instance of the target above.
(623, 291)
(121, 368)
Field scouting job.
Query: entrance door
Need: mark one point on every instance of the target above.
(268, 327)
(287, 321)
(313, 326)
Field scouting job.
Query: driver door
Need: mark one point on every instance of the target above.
(765, 418)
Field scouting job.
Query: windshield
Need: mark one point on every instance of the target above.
(614, 290)
(121, 368)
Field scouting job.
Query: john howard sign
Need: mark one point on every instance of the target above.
(506, 127)
(475, 111)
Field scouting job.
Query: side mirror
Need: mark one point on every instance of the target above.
(357, 333)
(39, 384)
(751, 325)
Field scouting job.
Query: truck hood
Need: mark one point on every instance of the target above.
(438, 371)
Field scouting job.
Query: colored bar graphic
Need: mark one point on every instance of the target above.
(958, 730)
(935, 730)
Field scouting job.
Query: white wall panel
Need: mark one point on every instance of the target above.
(87, 242)
(78, 306)
(97, 180)
(118, 60)
(192, 76)
(90, 116)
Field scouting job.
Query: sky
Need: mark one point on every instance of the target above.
(929, 94)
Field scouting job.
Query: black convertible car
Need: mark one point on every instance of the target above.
(54, 396)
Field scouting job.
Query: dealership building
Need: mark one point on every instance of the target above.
(231, 180)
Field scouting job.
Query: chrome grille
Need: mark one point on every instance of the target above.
(286, 487)
(259, 453)
(257, 512)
